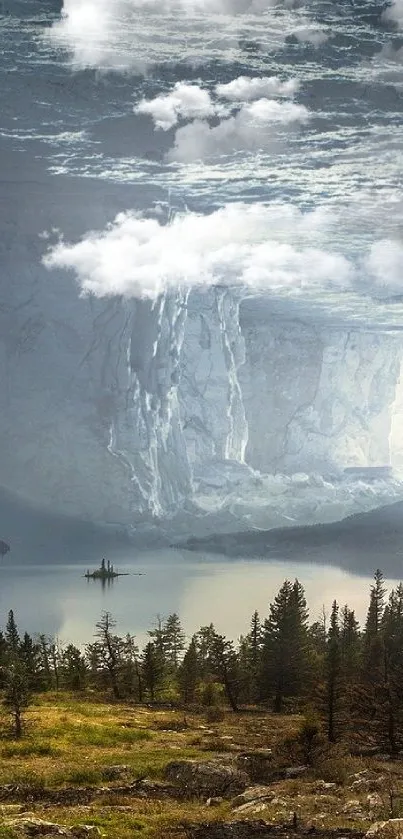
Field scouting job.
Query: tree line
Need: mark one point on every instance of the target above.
(350, 677)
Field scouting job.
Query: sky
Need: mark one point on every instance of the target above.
(342, 252)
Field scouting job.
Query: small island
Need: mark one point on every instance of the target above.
(105, 571)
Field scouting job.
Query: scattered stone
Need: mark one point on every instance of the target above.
(325, 786)
(253, 794)
(31, 826)
(295, 771)
(206, 780)
(115, 773)
(374, 801)
(251, 808)
(258, 765)
(254, 829)
(360, 784)
(353, 810)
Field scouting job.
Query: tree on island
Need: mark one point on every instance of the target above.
(4, 548)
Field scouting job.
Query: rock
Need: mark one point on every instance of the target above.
(258, 765)
(253, 794)
(214, 802)
(353, 810)
(374, 801)
(360, 784)
(114, 773)
(325, 786)
(31, 826)
(295, 771)
(390, 829)
(245, 829)
(206, 780)
(251, 808)
(37, 827)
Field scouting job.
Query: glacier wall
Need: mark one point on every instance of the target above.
(124, 411)
(121, 410)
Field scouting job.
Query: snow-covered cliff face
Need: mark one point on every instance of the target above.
(317, 399)
(121, 410)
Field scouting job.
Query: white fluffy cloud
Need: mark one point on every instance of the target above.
(254, 127)
(394, 13)
(186, 101)
(309, 34)
(245, 89)
(259, 246)
(248, 122)
(385, 264)
(276, 248)
(123, 35)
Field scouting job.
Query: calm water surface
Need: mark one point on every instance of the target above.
(57, 600)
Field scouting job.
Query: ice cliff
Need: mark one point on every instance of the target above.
(118, 410)
(210, 403)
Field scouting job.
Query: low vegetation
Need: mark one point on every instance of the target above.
(299, 725)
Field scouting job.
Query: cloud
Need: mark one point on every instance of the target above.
(124, 35)
(244, 89)
(394, 13)
(310, 35)
(254, 245)
(385, 264)
(186, 101)
(254, 127)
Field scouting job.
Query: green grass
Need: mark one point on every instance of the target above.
(108, 735)
(29, 748)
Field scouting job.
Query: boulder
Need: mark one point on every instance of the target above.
(253, 794)
(374, 801)
(258, 765)
(295, 771)
(33, 827)
(116, 772)
(206, 780)
(245, 829)
(325, 786)
(353, 810)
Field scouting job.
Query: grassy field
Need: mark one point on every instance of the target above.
(70, 744)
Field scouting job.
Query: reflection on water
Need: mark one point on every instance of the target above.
(57, 600)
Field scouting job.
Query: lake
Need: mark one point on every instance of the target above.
(57, 600)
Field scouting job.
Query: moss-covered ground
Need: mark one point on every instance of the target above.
(69, 743)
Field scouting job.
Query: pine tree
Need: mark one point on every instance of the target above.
(333, 674)
(204, 640)
(173, 641)
(370, 692)
(29, 655)
(285, 646)
(109, 648)
(131, 675)
(12, 636)
(393, 690)
(225, 663)
(189, 673)
(16, 687)
(74, 668)
(249, 653)
(17, 693)
(152, 668)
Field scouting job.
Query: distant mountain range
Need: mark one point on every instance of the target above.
(359, 543)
